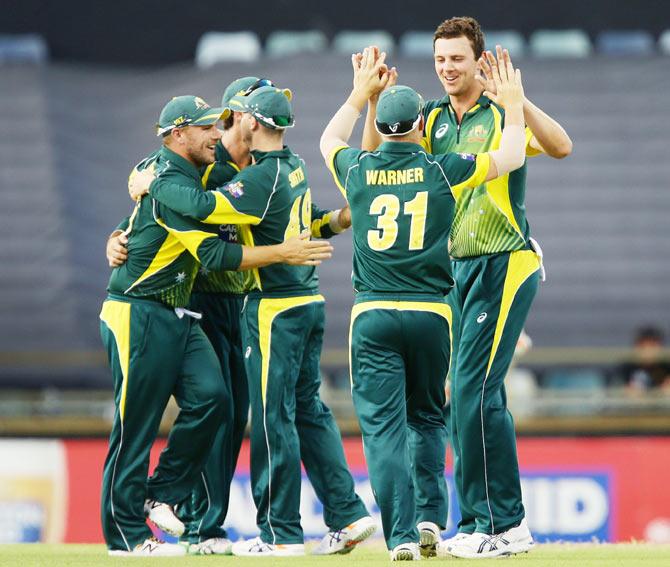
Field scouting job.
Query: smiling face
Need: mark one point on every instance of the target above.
(456, 66)
(199, 143)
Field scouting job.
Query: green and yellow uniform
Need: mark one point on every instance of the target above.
(496, 275)
(402, 202)
(282, 330)
(219, 296)
(157, 350)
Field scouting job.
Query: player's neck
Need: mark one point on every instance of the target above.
(464, 102)
(263, 143)
(238, 150)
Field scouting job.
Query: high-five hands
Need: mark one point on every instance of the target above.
(501, 82)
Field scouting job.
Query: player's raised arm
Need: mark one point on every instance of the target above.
(547, 135)
(370, 77)
(509, 94)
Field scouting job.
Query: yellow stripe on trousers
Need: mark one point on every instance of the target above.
(441, 309)
(116, 315)
(268, 309)
(521, 266)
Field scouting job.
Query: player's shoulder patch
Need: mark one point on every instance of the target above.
(468, 157)
(235, 189)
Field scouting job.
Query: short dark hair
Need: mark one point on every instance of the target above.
(649, 333)
(228, 122)
(462, 26)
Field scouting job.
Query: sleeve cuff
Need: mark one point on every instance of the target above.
(232, 257)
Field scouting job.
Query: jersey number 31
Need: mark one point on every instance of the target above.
(387, 208)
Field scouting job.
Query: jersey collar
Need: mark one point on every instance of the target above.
(482, 102)
(400, 147)
(182, 163)
(284, 152)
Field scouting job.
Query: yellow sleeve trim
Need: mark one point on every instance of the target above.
(331, 166)
(225, 213)
(483, 164)
(530, 150)
(428, 130)
(318, 224)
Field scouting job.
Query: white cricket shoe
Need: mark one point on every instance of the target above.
(344, 540)
(478, 545)
(429, 537)
(406, 552)
(258, 548)
(152, 547)
(163, 517)
(443, 546)
(212, 546)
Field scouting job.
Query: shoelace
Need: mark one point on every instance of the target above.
(336, 536)
(492, 541)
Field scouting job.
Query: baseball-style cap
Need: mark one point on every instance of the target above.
(398, 111)
(271, 107)
(188, 111)
(239, 89)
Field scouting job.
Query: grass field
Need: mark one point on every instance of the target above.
(370, 555)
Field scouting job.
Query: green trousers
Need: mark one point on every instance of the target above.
(400, 352)
(490, 301)
(154, 354)
(282, 338)
(205, 512)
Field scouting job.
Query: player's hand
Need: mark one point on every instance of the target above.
(370, 72)
(344, 218)
(117, 253)
(301, 251)
(506, 80)
(140, 181)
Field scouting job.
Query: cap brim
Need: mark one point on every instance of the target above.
(211, 116)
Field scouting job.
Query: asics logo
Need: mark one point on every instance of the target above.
(441, 131)
(482, 317)
(247, 354)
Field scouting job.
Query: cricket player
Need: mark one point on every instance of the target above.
(157, 349)
(402, 203)
(218, 296)
(497, 269)
(282, 329)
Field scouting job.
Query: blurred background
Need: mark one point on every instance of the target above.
(81, 89)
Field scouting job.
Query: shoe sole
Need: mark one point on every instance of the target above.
(514, 550)
(349, 546)
(428, 543)
(173, 532)
(404, 556)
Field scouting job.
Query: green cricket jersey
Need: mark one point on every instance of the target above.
(165, 248)
(490, 218)
(270, 201)
(402, 203)
(216, 175)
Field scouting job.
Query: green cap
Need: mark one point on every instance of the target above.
(271, 107)
(239, 89)
(398, 111)
(188, 111)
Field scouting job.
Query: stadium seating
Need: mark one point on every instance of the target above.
(286, 43)
(222, 47)
(416, 44)
(347, 42)
(560, 44)
(30, 48)
(664, 43)
(635, 42)
(509, 39)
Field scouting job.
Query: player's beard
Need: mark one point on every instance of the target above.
(202, 156)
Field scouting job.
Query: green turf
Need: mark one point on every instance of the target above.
(370, 555)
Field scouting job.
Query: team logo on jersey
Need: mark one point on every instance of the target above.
(200, 104)
(477, 134)
(180, 277)
(441, 131)
(235, 189)
(482, 317)
(469, 157)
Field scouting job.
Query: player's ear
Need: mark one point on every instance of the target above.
(422, 123)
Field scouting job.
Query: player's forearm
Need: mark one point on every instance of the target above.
(341, 125)
(371, 138)
(511, 153)
(550, 135)
(185, 200)
(260, 256)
